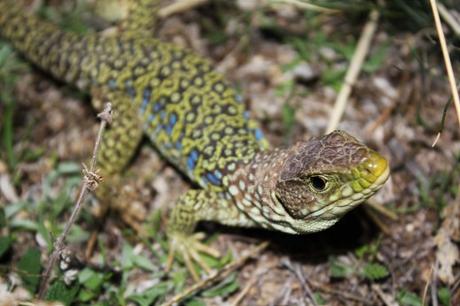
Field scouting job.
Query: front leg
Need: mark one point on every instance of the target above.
(192, 207)
(136, 18)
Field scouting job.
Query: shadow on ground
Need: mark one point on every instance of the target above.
(352, 231)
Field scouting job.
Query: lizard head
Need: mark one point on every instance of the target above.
(323, 178)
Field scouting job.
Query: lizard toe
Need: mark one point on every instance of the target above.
(189, 248)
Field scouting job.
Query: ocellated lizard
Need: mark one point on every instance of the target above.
(198, 123)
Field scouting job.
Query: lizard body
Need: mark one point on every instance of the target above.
(197, 122)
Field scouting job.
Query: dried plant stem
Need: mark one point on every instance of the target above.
(447, 62)
(306, 6)
(376, 218)
(382, 210)
(449, 19)
(341, 293)
(297, 271)
(352, 73)
(387, 299)
(434, 285)
(90, 181)
(427, 285)
(218, 275)
(249, 285)
(179, 6)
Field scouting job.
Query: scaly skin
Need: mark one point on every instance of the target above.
(198, 123)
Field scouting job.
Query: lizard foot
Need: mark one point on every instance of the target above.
(189, 247)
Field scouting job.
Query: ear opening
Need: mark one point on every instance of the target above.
(295, 197)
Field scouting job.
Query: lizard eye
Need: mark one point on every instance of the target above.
(318, 183)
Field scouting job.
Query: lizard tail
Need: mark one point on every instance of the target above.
(48, 47)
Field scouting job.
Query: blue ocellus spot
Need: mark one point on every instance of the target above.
(258, 133)
(172, 122)
(158, 129)
(172, 119)
(151, 118)
(191, 160)
(147, 93)
(218, 174)
(112, 83)
(157, 107)
(212, 178)
(145, 99)
(131, 92)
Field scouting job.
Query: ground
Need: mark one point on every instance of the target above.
(289, 64)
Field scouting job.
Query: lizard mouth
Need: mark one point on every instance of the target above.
(355, 197)
(368, 177)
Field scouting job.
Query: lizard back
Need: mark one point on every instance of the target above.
(190, 113)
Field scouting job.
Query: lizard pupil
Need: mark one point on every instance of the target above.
(318, 183)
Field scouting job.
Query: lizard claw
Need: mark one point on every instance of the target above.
(189, 247)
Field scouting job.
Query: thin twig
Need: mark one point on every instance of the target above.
(445, 54)
(245, 291)
(250, 284)
(436, 139)
(356, 63)
(427, 285)
(285, 292)
(179, 6)
(343, 294)
(434, 285)
(375, 217)
(295, 268)
(387, 299)
(218, 275)
(450, 20)
(90, 182)
(382, 209)
(456, 284)
(384, 115)
(307, 6)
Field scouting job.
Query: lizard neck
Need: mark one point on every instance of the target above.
(251, 188)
